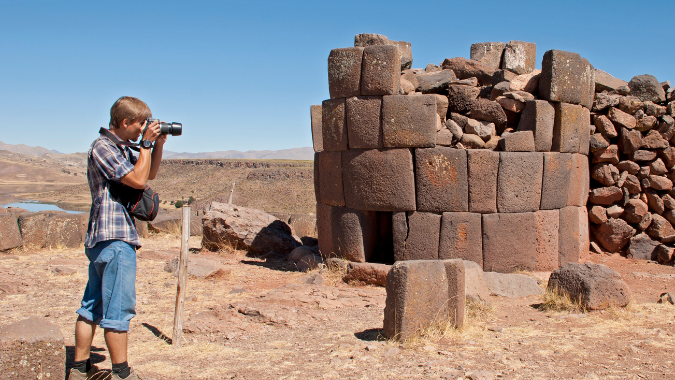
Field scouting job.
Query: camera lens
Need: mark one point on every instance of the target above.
(173, 129)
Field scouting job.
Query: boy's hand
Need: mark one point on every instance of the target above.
(152, 132)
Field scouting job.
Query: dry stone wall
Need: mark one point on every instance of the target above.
(486, 159)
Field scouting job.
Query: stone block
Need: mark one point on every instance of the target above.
(580, 179)
(522, 141)
(539, 117)
(381, 70)
(519, 57)
(344, 72)
(317, 186)
(364, 122)
(10, 235)
(568, 78)
(489, 53)
(461, 237)
(367, 273)
(417, 297)
(324, 229)
(330, 178)
(502, 251)
(596, 286)
(606, 82)
(333, 125)
(33, 226)
(405, 53)
(65, 230)
(435, 82)
(303, 224)
(441, 179)
(519, 181)
(409, 121)
(547, 225)
(571, 122)
(455, 272)
(379, 180)
(467, 68)
(354, 234)
(642, 247)
(573, 238)
(555, 187)
(32, 349)
(317, 127)
(483, 166)
(461, 97)
(416, 235)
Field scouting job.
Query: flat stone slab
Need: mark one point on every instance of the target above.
(501, 251)
(455, 272)
(580, 178)
(364, 122)
(547, 230)
(573, 238)
(555, 185)
(416, 235)
(330, 178)
(379, 180)
(519, 181)
(409, 121)
(344, 72)
(512, 285)
(538, 117)
(32, 349)
(461, 237)
(317, 127)
(475, 286)
(324, 229)
(334, 126)
(483, 166)
(570, 127)
(441, 175)
(417, 297)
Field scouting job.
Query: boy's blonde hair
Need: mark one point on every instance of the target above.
(129, 108)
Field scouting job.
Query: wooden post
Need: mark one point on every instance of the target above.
(182, 277)
(229, 202)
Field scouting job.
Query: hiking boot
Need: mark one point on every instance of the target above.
(132, 376)
(93, 374)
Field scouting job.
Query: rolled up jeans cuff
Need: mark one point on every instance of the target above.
(110, 324)
(86, 314)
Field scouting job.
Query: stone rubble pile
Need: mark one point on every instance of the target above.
(632, 203)
(482, 159)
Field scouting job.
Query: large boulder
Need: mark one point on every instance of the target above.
(246, 228)
(647, 88)
(468, 68)
(32, 349)
(10, 236)
(614, 234)
(596, 286)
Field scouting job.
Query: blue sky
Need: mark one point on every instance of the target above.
(242, 75)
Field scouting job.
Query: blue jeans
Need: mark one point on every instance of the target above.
(110, 296)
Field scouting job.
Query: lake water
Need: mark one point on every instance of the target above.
(35, 207)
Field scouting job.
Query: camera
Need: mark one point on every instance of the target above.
(173, 129)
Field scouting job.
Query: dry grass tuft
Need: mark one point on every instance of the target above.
(556, 300)
(625, 313)
(332, 274)
(477, 312)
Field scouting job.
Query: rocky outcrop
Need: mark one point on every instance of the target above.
(247, 229)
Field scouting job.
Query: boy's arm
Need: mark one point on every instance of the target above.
(157, 156)
(138, 177)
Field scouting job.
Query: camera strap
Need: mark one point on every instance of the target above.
(117, 140)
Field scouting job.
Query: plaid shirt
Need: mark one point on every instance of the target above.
(108, 220)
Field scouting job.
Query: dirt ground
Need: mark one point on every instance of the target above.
(263, 320)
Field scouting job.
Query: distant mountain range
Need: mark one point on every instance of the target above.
(27, 150)
(284, 154)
